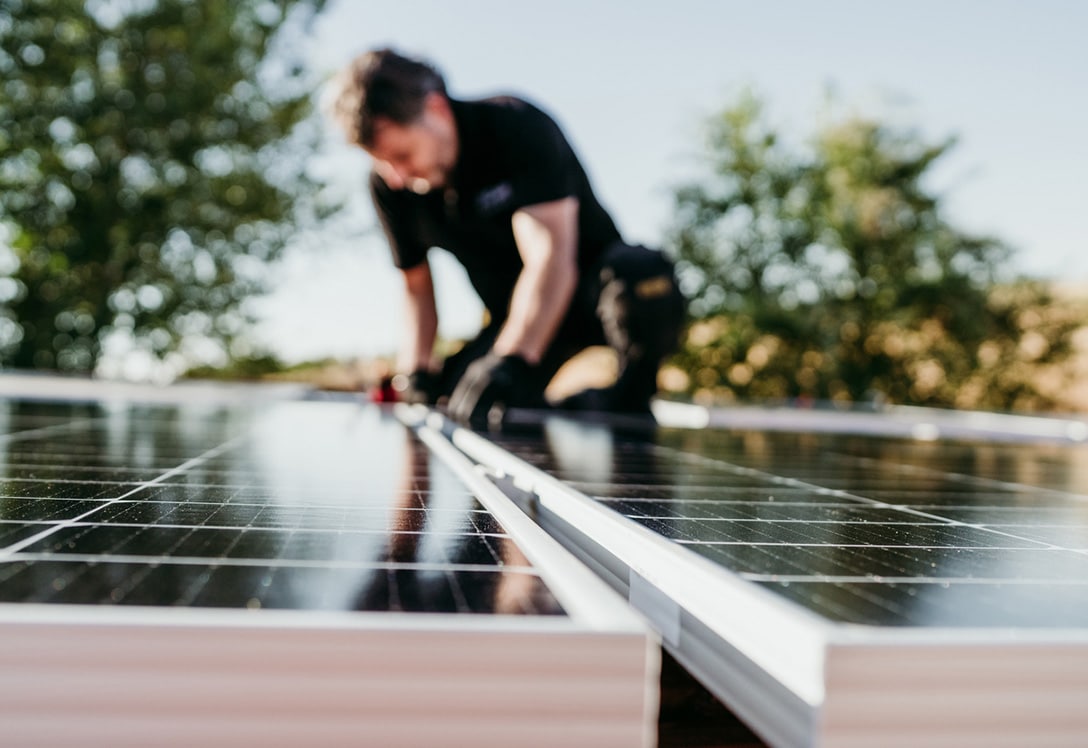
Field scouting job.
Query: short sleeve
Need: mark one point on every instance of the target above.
(543, 166)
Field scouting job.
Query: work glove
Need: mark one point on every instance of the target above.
(489, 382)
(421, 386)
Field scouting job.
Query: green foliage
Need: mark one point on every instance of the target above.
(240, 367)
(145, 178)
(832, 274)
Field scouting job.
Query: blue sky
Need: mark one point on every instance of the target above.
(632, 82)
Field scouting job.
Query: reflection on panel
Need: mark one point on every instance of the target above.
(296, 506)
(857, 529)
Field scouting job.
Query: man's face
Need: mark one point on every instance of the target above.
(418, 156)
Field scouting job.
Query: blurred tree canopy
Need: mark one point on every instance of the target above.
(146, 170)
(832, 274)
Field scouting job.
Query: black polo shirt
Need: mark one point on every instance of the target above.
(511, 155)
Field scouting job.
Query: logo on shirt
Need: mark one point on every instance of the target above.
(493, 199)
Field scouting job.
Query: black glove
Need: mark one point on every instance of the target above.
(489, 381)
(421, 386)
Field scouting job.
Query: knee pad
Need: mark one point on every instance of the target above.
(640, 305)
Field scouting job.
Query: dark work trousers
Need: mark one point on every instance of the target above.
(629, 301)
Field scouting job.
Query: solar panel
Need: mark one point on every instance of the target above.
(836, 589)
(285, 572)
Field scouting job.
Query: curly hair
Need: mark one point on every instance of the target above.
(380, 83)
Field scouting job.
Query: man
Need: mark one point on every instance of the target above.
(496, 183)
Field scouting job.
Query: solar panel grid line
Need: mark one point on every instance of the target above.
(21, 509)
(797, 483)
(44, 457)
(262, 497)
(116, 475)
(281, 563)
(277, 530)
(237, 530)
(966, 479)
(804, 484)
(192, 462)
(891, 518)
(101, 485)
(44, 431)
(1057, 536)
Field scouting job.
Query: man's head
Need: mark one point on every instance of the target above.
(396, 109)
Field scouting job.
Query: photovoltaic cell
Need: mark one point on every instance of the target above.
(861, 530)
(298, 506)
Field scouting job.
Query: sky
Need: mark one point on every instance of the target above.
(631, 84)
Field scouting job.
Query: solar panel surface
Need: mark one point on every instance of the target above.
(866, 530)
(294, 506)
(233, 567)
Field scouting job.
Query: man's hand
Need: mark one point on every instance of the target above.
(487, 382)
(421, 386)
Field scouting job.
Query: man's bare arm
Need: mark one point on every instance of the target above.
(421, 318)
(547, 239)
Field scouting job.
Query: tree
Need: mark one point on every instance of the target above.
(145, 177)
(833, 274)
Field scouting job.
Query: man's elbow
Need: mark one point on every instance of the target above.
(417, 279)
